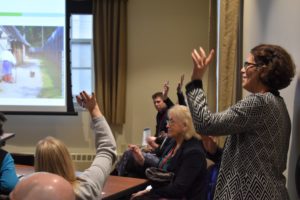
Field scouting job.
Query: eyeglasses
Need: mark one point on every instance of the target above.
(170, 122)
(248, 64)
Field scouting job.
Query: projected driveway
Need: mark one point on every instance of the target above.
(26, 81)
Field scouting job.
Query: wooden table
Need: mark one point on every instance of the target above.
(116, 187)
(24, 169)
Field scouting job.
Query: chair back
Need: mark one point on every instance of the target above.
(23, 159)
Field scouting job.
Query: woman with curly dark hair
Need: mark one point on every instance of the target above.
(259, 126)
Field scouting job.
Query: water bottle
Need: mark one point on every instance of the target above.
(146, 134)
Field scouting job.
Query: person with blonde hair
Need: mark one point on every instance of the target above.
(53, 156)
(184, 158)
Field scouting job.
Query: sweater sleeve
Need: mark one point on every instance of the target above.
(169, 103)
(242, 116)
(95, 176)
(192, 165)
(8, 176)
(181, 100)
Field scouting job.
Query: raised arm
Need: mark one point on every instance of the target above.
(165, 91)
(201, 62)
(180, 96)
(90, 103)
(100, 169)
(239, 118)
(166, 98)
(213, 152)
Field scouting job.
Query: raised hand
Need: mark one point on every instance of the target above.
(89, 102)
(210, 144)
(137, 154)
(166, 90)
(151, 142)
(201, 62)
(180, 84)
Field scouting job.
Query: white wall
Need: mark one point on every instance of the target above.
(161, 35)
(73, 130)
(276, 21)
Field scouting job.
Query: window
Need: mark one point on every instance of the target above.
(82, 66)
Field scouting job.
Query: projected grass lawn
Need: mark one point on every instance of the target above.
(51, 80)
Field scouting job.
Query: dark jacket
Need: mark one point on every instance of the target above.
(189, 167)
(161, 126)
(162, 117)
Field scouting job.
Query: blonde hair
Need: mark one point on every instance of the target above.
(183, 114)
(52, 155)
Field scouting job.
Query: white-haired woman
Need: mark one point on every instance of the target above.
(184, 157)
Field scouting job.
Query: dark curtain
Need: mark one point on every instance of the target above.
(110, 29)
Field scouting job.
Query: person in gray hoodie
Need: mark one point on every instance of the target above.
(53, 156)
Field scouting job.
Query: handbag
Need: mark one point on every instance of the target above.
(159, 175)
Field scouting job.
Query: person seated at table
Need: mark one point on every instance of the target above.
(152, 140)
(52, 155)
(134, 161)
(8, 177)
(155, 141)
(162, 104)
(129, 165)
(43, 186)
(185, 157)
(213, 153)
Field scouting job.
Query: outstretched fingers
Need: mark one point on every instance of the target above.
(197, 58)
(203, 56)
(166, 90)
(79, 100)
(201, 62)
(82, 98)
(210, 56)
(85, 100)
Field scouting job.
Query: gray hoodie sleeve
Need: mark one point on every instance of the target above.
(92, 180)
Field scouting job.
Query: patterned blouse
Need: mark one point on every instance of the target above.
(255, 152)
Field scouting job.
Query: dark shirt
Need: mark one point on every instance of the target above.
(189, 167)
(162, 117)
(181, 100)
